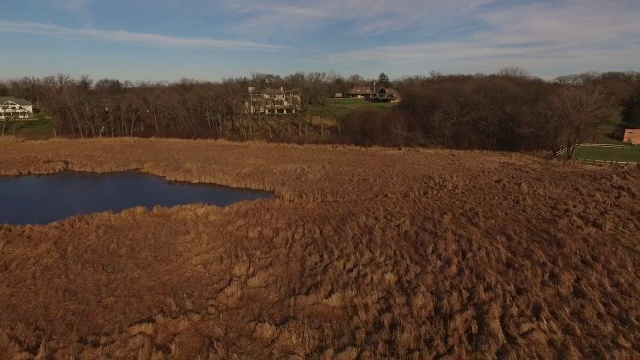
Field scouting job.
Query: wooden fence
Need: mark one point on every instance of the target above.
(563, 151)
(606, 162)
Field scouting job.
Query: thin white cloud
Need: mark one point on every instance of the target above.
(76, 5)
(356, 17)
(79, 8)
(130, 37)
(578, 35)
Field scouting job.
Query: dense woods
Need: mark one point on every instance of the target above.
(512, 112)
(509, 110)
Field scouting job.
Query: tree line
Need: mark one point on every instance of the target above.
(509, 110)
(82, 107)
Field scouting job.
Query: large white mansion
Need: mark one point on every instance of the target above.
(271, 101)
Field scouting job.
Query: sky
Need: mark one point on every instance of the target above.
(154, 40)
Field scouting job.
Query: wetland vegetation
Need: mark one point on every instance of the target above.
(363, 253)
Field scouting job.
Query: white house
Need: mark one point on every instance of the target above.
(271, 101)
(14, 108)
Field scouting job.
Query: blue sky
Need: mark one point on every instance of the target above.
(212, 40)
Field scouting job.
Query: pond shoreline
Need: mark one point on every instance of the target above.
(41, 199)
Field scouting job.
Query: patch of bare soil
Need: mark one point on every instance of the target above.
(365, 253)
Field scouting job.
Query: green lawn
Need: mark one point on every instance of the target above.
(41, 128)
(608, 127)
(627, 154)
(342, 107)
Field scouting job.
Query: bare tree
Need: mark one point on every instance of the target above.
(578, 111)
(514, 71)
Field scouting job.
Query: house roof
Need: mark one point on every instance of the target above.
(19, 101)
(272, 91)
(360, 90)
(389, 91)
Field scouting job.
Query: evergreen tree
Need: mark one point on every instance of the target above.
(383, 80)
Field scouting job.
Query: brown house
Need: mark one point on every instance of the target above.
(631, 137)
(375, 95)
(360, 92)
(387, 95)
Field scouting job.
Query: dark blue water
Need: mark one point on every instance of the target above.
(43, 199)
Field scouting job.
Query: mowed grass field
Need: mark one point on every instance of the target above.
(343, 107)
(363, 254)
(626, 154)
(36, 129)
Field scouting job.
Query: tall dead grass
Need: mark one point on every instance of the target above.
(366, 253)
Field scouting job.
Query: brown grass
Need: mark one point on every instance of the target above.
(365, 253)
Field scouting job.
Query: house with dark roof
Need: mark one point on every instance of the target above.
(360, 92)
(386, 95)
(381, 94)
(15, 108)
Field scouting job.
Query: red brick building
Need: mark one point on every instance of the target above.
(631, 137)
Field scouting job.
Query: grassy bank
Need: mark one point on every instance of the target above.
(33, 129)
(626, 154)
(342, 107)
(365, 253)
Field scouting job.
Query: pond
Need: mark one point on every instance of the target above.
(33, 199)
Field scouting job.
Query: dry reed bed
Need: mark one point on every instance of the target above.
(366, 253)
